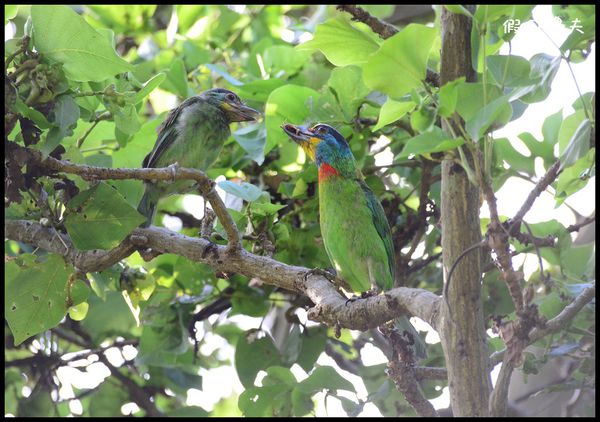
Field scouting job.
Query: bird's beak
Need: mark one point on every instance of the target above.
(241, 113)
(303, 137)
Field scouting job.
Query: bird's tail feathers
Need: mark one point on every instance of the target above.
(419, 347)
(147, 206)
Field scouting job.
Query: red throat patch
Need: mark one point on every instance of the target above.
(326, 171)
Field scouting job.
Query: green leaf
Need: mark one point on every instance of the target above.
(334, 37)
(246, 191)
(108, 317)
(35, 295)
(578, 146)
(100, 218)
(188, 412)
(253, 355)
(392, 111)
(284, 58)
(504, 150)
(38, 118)
(313, 344)
(448, 97)
(494, 115)
(349, 88)
(471, 98)
(400, 64)
(149, 86)
(543, 70)
(422, 119)
(434, 141)
(126, 119)
(176, 81)
(458, 9)
(575, 177)
(253, 138)
(65, 37)
(262, 208)
(324, 377)
(107, 401)
(287, 104)
(78, 312)
(509, 70)
(260, 89)
(10, 11)
(490, 13)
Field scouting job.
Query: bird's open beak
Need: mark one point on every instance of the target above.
(241, 113)
(303, 137)
(299, 134)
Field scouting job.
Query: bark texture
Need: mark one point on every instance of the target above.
(463, 339)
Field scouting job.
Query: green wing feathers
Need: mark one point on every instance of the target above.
(381, 225)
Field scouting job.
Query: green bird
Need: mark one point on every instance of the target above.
(192, 136)
(355, 230)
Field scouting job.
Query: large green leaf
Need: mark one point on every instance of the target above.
(252, 355)
(349, 88)
(325, 377)
(543, 70)
(509, 70)
(100, 218)
(400, 64)
(64, 36)
(287, 104)
(491, 117)
(433, 141)
(341, 43)
(35, 295)
(578, 146)
(391, 111)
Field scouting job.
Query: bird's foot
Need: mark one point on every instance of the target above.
(173, 169)
(328, 273)
(363, 295)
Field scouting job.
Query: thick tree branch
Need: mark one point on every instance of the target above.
(330, 306)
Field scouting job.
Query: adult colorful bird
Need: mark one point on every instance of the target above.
(355, 231)
(192, 136)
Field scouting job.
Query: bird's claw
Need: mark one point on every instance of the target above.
(363, 295)
(173, 169)
(319, 271)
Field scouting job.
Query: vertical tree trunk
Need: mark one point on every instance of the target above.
(463, 339)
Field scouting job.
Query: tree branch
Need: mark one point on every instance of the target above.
(540, 187)
(330, 306)
(382, 28)
(206, 185)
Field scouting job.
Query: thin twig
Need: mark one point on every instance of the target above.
(541, 185)
(556, 324)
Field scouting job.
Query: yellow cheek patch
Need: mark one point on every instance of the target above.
(226, 107)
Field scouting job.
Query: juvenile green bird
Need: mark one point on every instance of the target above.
(355, 231)
(192, 136)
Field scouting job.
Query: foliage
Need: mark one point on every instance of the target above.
(90, 84)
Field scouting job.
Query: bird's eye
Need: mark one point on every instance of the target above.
(321, 130)
(230, 97)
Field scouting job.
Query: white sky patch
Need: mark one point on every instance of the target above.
(371, 355)
(194, 204)
(385, 157)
